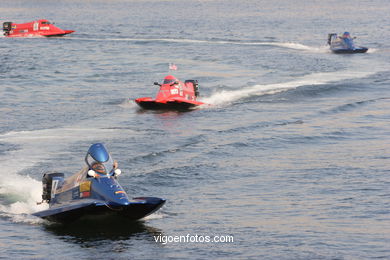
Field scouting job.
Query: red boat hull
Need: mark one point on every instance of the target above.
(148, 103)
(33, 29)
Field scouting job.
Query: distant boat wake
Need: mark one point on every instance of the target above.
(229, 96)
(288, 45)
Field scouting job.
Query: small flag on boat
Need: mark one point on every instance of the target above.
(172, 66)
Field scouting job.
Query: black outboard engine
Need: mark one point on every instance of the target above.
(7, 27)
(195, 84)
(330, 36)
(47, 183)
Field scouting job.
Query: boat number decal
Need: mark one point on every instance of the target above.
(174, 91)
(45, 28)
(54, 188)
(35, 26)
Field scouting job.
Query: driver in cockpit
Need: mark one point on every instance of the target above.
(347, 40)
(170, 80)
(346, 35)
(99, 167)
(100, 163)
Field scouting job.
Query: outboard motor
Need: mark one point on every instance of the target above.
(7, 27)
(47, 184)
(331, 36)
(195, 84)
(196, 88)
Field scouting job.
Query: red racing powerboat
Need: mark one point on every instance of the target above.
(36, 28)
(173, 94)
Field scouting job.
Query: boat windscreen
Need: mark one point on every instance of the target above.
(106, 167)
(169, 81)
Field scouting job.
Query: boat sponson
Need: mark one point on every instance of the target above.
(350, 51)
(172, 104)
(136, 209)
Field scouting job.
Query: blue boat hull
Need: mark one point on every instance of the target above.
(136, 209)
(350, 51)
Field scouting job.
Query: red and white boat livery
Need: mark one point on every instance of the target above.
(36, 28)
(173, 95)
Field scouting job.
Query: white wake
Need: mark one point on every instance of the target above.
(287, 45)
(229, 96)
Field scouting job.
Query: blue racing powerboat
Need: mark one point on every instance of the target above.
(92, 191)
(344, 44)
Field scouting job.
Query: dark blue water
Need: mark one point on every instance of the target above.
(291, 158)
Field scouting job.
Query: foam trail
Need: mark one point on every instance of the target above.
(128, 103)
(288, 45)
(155, 215)
(224, 97)
(22, 192)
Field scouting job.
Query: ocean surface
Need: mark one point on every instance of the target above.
(291, 157)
